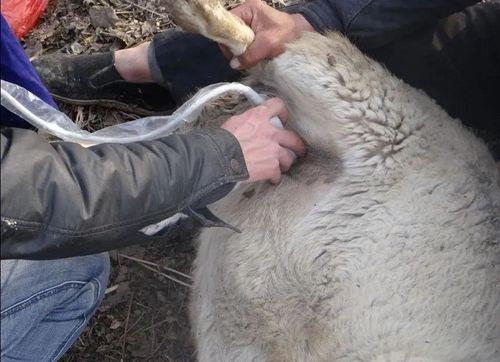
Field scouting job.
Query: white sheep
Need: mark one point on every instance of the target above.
(381, 245)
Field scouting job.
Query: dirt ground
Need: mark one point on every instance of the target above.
(144, 315)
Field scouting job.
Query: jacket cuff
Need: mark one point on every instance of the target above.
(234, 167)
(320, 14)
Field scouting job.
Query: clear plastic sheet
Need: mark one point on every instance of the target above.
(44, 117)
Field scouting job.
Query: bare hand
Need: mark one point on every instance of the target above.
(272, 28)
(266, 148)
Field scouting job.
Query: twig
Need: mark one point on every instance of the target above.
(145, 9)
(142, 305)
(156, 265)
(165, 275)
(119, 260)
(126, 325)
(111, 289)
(153, 335)
(168, 319)
(157, 348)
(135, 323)
(113, 358)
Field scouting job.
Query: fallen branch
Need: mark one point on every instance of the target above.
(111, 289)
(157, 324)
(126, 326)
(148, 265)
(165, 275)
(146, 9)
(157, 265)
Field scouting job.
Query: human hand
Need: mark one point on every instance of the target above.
(267, 150)
(272, 28)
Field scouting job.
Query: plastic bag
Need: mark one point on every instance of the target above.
(22, 15)
(28, 106)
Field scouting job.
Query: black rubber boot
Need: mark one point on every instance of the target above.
(93, 79)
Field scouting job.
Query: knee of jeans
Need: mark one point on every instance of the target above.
(36, 295)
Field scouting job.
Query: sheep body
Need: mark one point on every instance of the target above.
(382, 244)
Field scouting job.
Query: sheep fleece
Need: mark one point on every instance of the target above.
(382, 244)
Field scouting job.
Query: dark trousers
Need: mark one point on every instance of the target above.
(456, 61)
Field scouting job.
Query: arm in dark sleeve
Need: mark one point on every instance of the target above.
(61, 199)
(373, 23)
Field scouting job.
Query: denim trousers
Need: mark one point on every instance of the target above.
(47, 304)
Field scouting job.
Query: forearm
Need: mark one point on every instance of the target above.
(61, 199)
(374, 23)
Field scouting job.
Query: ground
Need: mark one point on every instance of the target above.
(144, 314)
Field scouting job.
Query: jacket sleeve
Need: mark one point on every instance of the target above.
(373, 23)
(60, 199)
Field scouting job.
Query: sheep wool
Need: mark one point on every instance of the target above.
(382, 244)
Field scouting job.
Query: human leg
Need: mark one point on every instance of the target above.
(133, 65)
(47, 304)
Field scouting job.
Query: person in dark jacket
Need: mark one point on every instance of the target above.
(449, 48)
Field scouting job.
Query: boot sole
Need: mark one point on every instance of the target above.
(110, 103)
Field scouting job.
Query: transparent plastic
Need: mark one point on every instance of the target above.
(28, 106)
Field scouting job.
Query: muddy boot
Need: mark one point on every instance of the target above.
(93, 79)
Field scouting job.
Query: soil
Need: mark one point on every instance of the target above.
(144, 315)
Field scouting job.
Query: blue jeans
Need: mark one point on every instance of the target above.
(47, 304)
